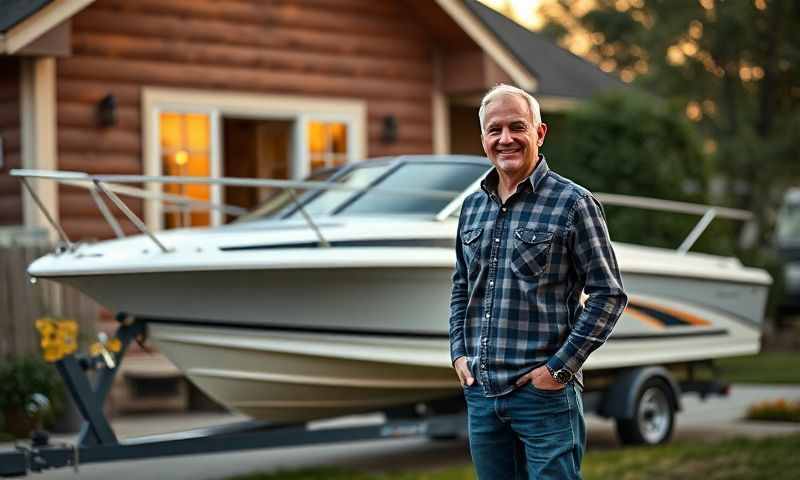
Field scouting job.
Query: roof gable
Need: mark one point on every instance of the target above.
(24, 22)
(559, 72)
(13, 12)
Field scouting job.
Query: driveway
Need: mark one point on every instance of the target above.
(700, 421)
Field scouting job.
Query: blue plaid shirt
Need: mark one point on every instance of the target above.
(520, 270)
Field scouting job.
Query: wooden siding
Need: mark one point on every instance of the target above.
(10, 188)
(376, 51)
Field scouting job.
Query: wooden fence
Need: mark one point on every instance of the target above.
(22, 302)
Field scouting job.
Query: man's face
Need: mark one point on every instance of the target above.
(509, 139)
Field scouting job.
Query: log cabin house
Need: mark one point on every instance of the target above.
(249, 88)
(270, 89)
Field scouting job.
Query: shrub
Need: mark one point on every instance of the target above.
(775, 410)
(25, 383)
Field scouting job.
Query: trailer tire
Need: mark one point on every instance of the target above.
(654, 415)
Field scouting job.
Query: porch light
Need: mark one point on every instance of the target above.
(389, 129)
(107, 111)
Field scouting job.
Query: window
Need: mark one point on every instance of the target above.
(185, 140)
(327, 144)
(317, 133)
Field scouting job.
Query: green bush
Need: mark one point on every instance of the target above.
(22, 378)
(631, 143)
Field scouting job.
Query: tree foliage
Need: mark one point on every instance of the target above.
(632, 143)
(732, 66)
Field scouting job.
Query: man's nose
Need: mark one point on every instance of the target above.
(505, 136)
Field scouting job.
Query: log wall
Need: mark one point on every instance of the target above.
(10, 188)
(355, 49)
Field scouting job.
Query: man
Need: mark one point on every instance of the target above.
(530, 242)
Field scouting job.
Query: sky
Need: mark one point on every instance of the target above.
(523, 11)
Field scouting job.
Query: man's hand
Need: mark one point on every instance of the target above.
(462, 370)
(540, 378)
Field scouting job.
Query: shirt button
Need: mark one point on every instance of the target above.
(497, 240)
(505, 209)
(488, 315)
(483, 365)
(491, 283)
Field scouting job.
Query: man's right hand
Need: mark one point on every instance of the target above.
(462, 370)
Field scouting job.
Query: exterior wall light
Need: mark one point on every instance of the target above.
(389, 130)
(107, 111)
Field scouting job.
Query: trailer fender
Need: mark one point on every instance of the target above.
(619, 400)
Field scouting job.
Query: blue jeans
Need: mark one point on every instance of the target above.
(527, 433)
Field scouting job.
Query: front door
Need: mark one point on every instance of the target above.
(254, 149)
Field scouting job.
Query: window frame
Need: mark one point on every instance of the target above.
(300, 110)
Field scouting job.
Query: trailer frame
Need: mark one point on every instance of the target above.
(97, 442)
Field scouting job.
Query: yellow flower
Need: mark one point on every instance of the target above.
(114, 345)
(68, 331)
(96, 349)
(59, 337)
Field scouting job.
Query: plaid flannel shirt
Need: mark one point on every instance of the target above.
(520, 270)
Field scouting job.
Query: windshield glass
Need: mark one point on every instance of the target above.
(404, 178)
(280, 201)
(451, 177)
(326, 203)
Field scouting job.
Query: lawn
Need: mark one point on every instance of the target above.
(772, 458)
(766, 367)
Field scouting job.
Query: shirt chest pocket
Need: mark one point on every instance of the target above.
(531, 252)
(471, 246)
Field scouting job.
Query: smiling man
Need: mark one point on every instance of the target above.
(530, 242)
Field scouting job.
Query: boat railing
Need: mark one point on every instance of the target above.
(112, 186)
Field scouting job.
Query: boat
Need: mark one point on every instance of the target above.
(335, 301)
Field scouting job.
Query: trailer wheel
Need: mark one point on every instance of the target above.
(654, 416)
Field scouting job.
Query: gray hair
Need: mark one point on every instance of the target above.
(501, 90)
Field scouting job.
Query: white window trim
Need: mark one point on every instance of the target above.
(299, 110)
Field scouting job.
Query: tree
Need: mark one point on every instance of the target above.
(636, 144)
(731, 66)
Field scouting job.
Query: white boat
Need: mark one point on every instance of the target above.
(341, 305)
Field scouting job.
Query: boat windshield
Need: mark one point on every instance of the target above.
(450, 177)
(399, 178)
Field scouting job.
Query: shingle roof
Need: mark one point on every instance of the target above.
(14, 11)
(558, 71)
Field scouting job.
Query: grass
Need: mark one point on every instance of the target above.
(766, 367)
(773, 458)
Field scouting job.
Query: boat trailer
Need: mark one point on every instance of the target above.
(96, 442)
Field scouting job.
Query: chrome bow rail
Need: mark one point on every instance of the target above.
(112, 185)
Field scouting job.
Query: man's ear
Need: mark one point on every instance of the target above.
(541, 132)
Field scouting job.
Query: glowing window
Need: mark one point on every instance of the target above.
(185, 140)
(327, 144)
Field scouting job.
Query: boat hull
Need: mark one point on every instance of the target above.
(298, 376)
(303, 344)
(412, 301)
(292, 376)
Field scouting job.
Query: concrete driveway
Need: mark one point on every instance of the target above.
(700, 421)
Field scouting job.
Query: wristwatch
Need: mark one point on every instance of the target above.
(562, 376)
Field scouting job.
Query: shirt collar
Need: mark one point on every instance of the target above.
(489, 183)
